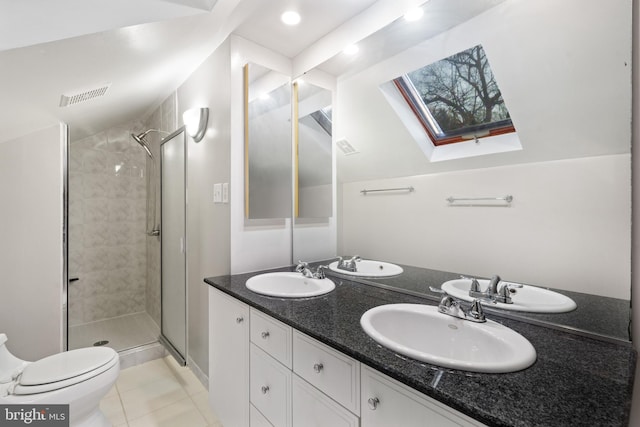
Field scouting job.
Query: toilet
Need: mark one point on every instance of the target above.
(79, 378)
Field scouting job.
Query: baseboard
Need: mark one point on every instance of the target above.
(202, 377)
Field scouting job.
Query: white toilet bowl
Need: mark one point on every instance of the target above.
(79, 378)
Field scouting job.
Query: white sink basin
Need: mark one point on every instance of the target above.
(369, 268)
(289, 285)
(528, 298)
(422, 333)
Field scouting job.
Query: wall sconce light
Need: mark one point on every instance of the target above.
(195, 121)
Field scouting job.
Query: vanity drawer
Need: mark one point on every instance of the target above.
(270, 388)
(312, 408)
(272, 336)
(333, 373)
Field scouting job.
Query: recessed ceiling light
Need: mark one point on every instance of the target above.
(414, 14)
(351, 49)
(290, 17)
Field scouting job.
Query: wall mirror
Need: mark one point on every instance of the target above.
(569, 225)
(267, 143)
(313, 163)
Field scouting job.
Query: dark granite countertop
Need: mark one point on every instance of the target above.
(576, 380)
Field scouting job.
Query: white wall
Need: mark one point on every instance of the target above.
(255, 244)
(207, 223)
(31, 247)
(567, 228)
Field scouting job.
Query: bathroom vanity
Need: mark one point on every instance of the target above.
(300, 362)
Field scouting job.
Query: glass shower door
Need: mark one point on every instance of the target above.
(173, 235)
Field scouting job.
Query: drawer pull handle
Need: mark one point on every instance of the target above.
(318, 367)
(239, 319)
(265, 389)
(264, 335)
(373, 403)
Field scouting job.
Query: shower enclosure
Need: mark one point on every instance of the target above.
(110, 293)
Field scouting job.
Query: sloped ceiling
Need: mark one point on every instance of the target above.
(29, 22)
(145, 49)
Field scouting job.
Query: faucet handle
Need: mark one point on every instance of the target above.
(319, 274)
(476, 312)
(510, 286)
(475, 285)
(506, 290)
(301, 266)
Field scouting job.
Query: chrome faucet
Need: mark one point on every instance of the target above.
(303, 267)
(492, 289)
(349, 265)
(497, 290)
(453, 307)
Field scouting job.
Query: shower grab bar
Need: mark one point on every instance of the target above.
(508, 198)
(409, 189)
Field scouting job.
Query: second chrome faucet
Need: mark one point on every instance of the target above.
(303, 267)
(454, 307)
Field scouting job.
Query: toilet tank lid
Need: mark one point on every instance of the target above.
(66, 365)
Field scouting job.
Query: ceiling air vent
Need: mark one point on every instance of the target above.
(82, 96)
(346, 148)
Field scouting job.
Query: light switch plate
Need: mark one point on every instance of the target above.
(217, 193)
(225, 192)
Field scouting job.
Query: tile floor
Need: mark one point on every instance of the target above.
(159, 393)
(122, 332)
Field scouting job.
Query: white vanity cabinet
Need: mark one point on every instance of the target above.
(263, 373)
(228, 359)
(387, 403)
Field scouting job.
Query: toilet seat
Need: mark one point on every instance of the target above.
(63, 370)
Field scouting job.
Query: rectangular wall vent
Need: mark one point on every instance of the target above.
(346, 148)
(82, 96)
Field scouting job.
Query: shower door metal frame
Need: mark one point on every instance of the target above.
(66, 141)
(179, 357)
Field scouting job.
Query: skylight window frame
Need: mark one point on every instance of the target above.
(437, 136)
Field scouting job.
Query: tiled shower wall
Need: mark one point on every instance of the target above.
(163, 118)
(107, 240)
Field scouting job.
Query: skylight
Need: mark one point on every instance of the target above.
(457, 98)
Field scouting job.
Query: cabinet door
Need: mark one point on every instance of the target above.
(229, 359)
(388, 403)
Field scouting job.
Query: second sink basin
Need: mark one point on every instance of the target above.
(527, 298)
(369, 268)
(422, 333)
(289, 285)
